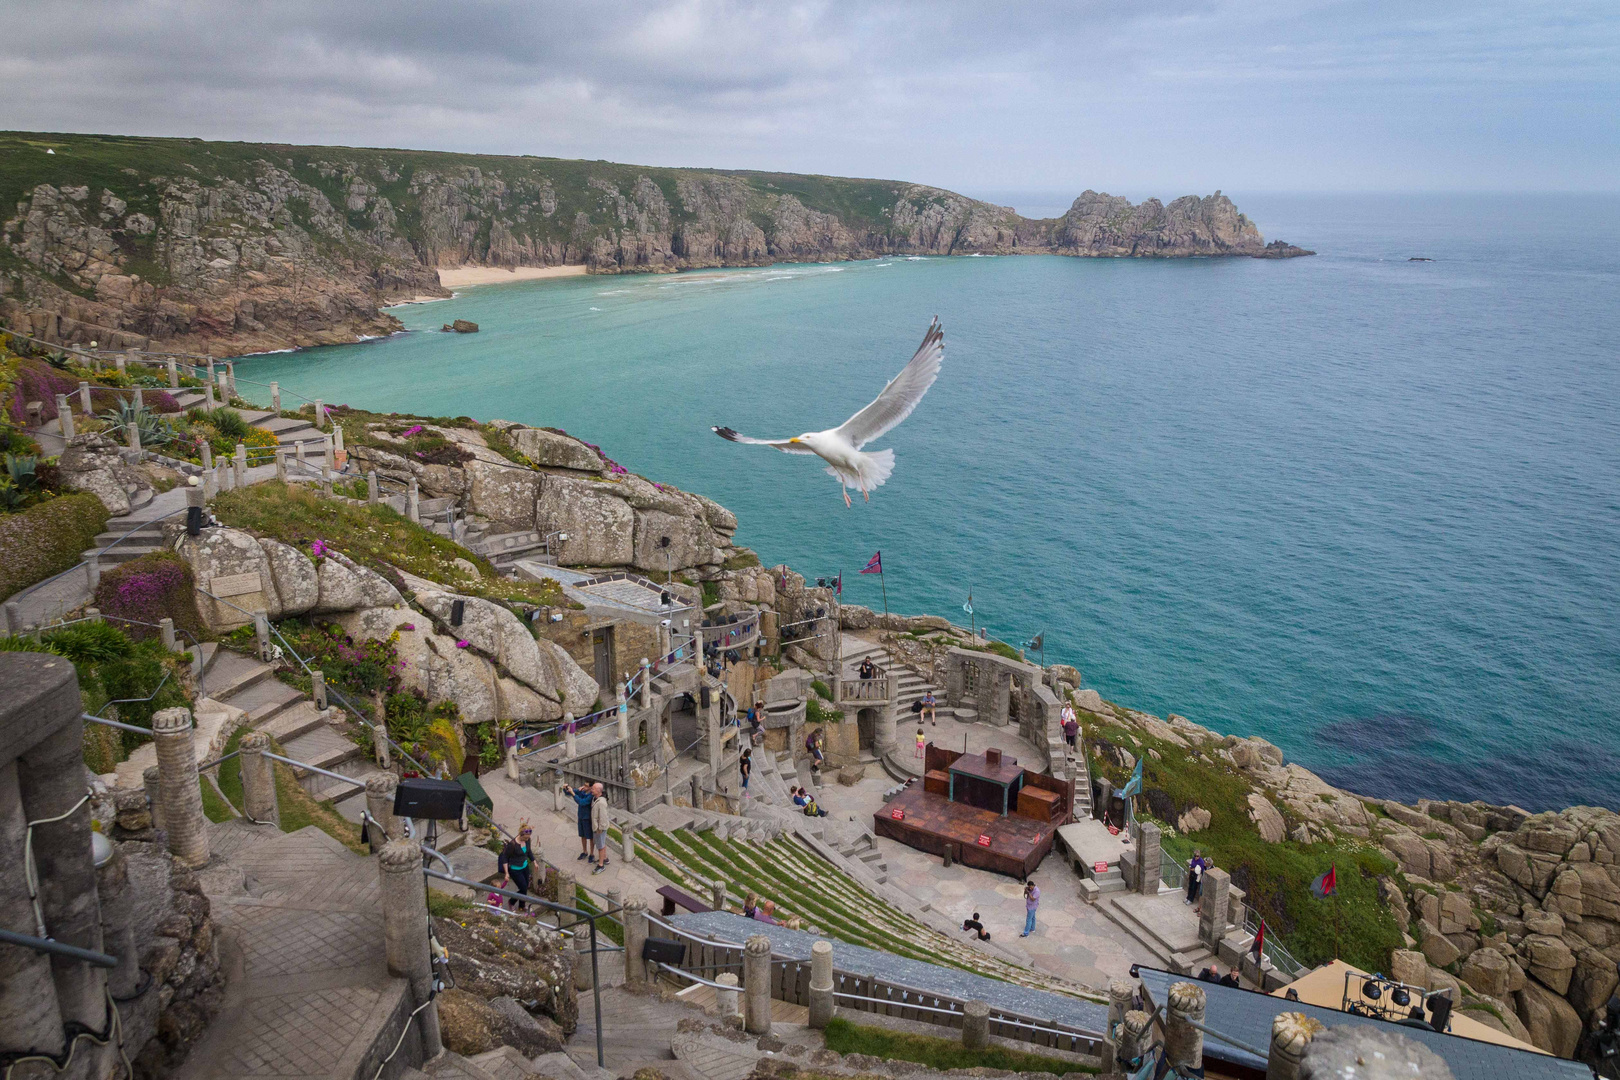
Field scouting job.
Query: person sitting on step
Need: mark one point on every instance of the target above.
(976, 926)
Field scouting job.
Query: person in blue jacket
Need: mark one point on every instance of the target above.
(516, 863)
(582, 802)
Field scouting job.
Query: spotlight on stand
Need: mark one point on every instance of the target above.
(1400, 997)
(1371, 991)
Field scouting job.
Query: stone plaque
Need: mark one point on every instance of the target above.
(236, 585)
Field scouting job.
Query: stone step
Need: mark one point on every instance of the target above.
(325, 749)
(294, 720)
(233, 673)
(265, 699)
(123, 553)
(136, 530)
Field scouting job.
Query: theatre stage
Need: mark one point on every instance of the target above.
(1017, 844)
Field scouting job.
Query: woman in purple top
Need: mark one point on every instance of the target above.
(1032, 900)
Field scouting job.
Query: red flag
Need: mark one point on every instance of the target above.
(1259, 946)
(838, 585)
(1326, 885)
(874, 565)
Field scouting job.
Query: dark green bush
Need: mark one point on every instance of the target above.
(47, 539)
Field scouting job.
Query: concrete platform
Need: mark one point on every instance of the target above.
(1088, 842)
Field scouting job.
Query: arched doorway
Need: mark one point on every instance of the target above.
(866, 722)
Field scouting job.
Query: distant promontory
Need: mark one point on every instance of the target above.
(242, 247)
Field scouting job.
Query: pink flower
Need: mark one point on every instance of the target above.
(408, 626)
(412, 431)
(318, 548)
(463, 644)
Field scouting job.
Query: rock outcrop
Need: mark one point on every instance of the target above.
(94, 463)
(240, 247)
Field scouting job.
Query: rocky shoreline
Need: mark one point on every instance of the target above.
(235, 248)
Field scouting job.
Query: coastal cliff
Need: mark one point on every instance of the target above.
(233, 248)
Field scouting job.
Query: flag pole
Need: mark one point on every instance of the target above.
(885, 586)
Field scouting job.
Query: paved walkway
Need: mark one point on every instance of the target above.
(307, 988)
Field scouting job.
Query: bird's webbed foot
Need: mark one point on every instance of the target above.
(847, 503)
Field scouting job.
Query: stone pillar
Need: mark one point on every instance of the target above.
(627, 842)
(582, 952)
(405, 932)
(326, 477)
(275, 397)
(1135, 1036)
(281, 464)
(717, 895)
(1212, 907)
(821, 984)
(182, 799)
(174, 375)
(622, 712)
(117, 924)
(14, 617)
(27, 992)
(757, 984)
(646, 682)
(207, 458)
(884, 733)
(261, 635)
(230, 379)
(379, 731)
(241, 465)
(570, 739)
(371, 487)
(726, 995)
(567, 888)
(320, 414)
(413, 501)
(298, 454)
(1183, 1043)
(132, 436)
(1120, 996)
(64, 416)
(380, 789)
(635, 935)
(84, 399)
(258, 780)
(152, 779)
(208, 389)
(1148, 859)
(166, 629)
(340, 455)
(119, 363)
(140, 399)
(50, 779)
(1291, 1033)
(511, 757)
(226, 477)
(975, 1024)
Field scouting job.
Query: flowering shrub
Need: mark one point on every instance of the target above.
(362, 668)
(150, 589)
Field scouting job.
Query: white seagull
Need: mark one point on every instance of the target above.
(840, 447)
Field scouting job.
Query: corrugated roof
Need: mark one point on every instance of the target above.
(1246, 1016)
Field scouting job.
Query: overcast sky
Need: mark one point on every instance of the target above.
(1133, 96)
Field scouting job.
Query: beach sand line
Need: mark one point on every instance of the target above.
(462, 276)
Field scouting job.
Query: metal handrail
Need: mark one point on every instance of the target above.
(314, 769)
(82, 563)
(51, 945)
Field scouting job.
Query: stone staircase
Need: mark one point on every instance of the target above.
(1163, 924)
(503, 1063)
(910, 684)
(289, 431)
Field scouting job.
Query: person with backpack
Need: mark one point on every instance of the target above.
(810, 807)
(815, 742)
(1195, 876)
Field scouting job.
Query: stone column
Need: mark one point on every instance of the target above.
(567, 888)
(182, 798)
(379, 731)
(320, 414)
(14, 617)
(622, 712)
(152, 779)
(140, 399)
(50, 779)
(298, 454)
(821, 984)
(1135, 1035)
(317, 681)
(371, 487)
(339, 454)
(275, 397)
(635, 935)
(413, 501)
(261, 635)
(405, 932)
(646, 682)
(1183, 1043)
(119, 363)
(511, 757)
(1148, 860)
(1120, 996)
(884, 733)
(166, 629)
(230, 378)
(757, 984)
(64, 416)
(582, 952)
(627, 842)
(117, 924)
(717, 895)
(241, 464)
(1212, 907)
(726, 994)
(208, 389)
(326, 477)
(258, 780)
(1291, 1033)
(132, 436)
(27, 993)
(380, 789)
(84, 399)
(281, 464)
(975, 1025)
(174, 375)
(570, 738)
(226, 477)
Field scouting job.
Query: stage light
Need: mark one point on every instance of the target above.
(1400, 997)
(1371, 991)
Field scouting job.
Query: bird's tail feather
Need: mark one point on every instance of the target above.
(874, 469)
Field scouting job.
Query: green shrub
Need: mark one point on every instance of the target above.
(229, 422)
(47, 539)
(89, 643)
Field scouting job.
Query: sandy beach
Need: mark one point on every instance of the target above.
(462, 276)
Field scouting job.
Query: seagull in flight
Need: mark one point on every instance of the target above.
(840, 447)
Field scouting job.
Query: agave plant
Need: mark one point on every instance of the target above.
(229, 423)
(10, 497)
(21, 469)
(58, 359)
(155, 431)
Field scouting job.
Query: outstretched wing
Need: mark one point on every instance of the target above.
(780, 444)
(902, 393)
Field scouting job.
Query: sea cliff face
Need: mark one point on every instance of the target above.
(241, 247)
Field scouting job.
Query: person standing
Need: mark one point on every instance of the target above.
(582, 811)
(922, 741)
(1071, 726)
(601, 817)
(1195, 876)
(814, 742)
(745, 766)
(516, 863)
(1032, 902)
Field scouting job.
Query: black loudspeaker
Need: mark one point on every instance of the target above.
(1439, 1011)
(663, 951)
(419, 797)
(458, 608)
(194, 520)
(705, 700)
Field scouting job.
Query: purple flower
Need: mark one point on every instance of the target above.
(463, 644)
(408, 626)
(412, 431)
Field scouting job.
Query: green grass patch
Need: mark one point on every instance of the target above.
(442, 905)
(230, 772)
(213, 806)
(299, 810)
(604, 927)
(938, 1053)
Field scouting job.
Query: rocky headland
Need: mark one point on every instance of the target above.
(233, 248)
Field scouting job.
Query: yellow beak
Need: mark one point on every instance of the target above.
(794, 439)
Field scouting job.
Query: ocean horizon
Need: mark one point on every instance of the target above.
(1365, 507)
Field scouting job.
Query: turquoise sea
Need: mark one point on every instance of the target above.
(1365, 507)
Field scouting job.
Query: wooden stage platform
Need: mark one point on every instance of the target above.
(930, 822)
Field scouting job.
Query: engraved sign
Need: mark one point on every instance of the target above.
(236, 584)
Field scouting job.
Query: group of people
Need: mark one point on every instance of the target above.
(1213, 974)
(1195, 876)
(806, 802)
(594, 814)
(1032, 904)
(753, 909)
